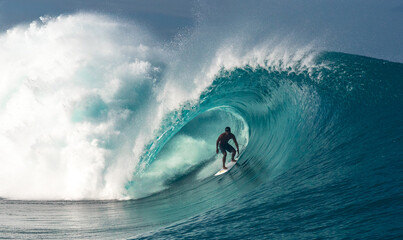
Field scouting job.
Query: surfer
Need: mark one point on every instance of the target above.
(222, 141)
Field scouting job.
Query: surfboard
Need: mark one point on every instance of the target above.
(228, 165)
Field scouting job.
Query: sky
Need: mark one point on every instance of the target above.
(366, 27)
(163, 17)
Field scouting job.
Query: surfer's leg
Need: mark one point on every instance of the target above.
(233, 155)
(223, 159)
(231, 149)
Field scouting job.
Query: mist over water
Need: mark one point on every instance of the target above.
(84, 95)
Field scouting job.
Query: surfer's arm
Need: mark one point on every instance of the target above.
(236, 144)
(216, 144)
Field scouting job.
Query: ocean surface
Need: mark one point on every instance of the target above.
(114, 138)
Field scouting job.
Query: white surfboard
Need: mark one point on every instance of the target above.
(228, 165)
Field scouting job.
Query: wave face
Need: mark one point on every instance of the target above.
(323, 149)
(112, 117)
(321, 144)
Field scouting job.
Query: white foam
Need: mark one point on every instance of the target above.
(72, 106)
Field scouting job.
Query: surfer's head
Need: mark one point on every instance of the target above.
(228, 129)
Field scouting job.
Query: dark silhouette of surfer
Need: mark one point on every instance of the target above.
(222, 142)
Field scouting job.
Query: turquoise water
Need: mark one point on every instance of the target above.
(321, 157)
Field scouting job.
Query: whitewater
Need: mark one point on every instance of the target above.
(108, 133)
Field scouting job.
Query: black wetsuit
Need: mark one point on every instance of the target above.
(224, 145)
